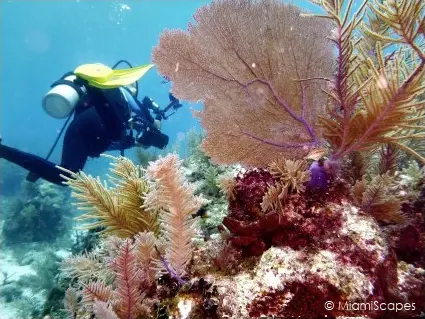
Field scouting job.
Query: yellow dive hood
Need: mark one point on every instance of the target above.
(103, 77)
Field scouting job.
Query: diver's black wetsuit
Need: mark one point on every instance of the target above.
(100, 119)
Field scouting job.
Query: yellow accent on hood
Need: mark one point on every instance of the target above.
(103, 77)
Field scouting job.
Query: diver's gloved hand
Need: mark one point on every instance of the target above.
(128, 141)
(150, 103)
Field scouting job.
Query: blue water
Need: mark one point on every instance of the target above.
(41, 40)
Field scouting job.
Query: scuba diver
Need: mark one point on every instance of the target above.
(106, 112)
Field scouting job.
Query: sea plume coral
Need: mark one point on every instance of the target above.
(173, 197)
(274, 197)
(120, 296)
(103, 310)
(95, 290)
(292, 174)
(376, 96)
(119, 209)
(375, 198)
(253, 64)
(128, 277)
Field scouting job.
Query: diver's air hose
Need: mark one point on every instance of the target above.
(59, 135)
(122, 61)
(129, 64)
(34, 177)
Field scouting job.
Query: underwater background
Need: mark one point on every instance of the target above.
(42, 40)
(45, 261)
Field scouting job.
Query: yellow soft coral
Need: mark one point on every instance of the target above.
(118, 209)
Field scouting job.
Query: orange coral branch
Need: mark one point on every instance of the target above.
(174, 196)
(370, 132)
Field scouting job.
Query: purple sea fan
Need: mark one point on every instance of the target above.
(254, 65)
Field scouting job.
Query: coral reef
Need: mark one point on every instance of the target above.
(200, 170)
(39, 214)
(407, 239)
(285, 261)
(206, 177)
(30, 284)
(134, 262)
(314, 229)
(339, 251)
(296, 223)
(86, 241)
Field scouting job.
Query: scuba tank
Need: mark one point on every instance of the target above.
(60, 101)
(64, 95)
